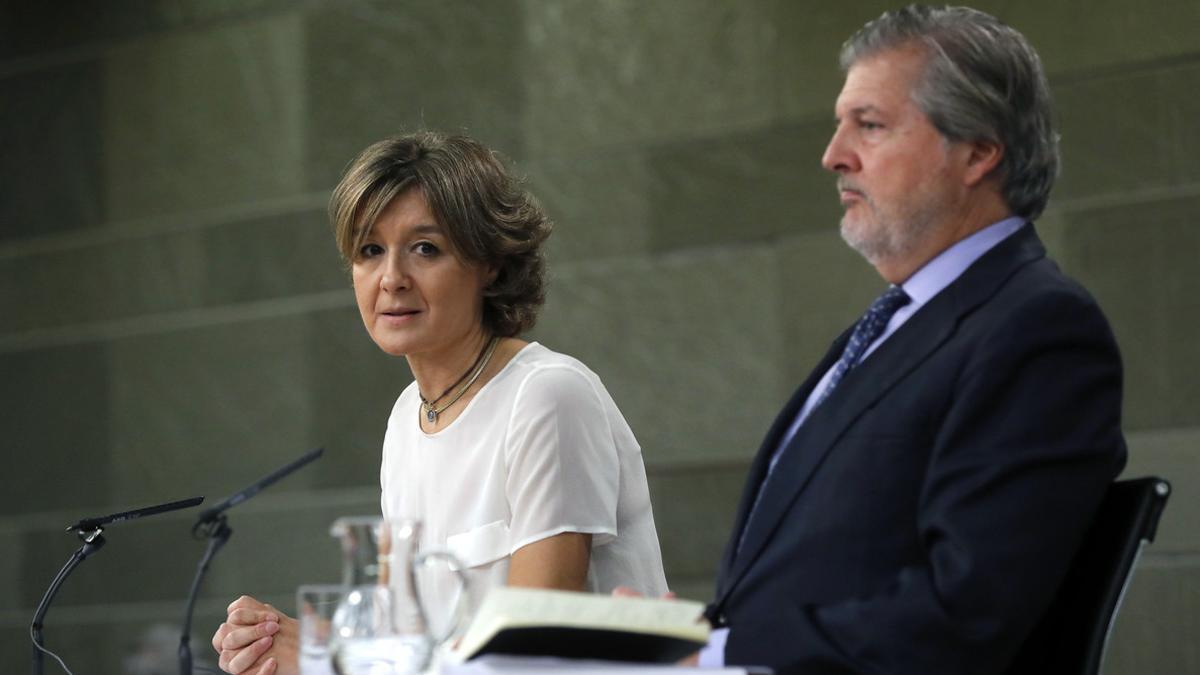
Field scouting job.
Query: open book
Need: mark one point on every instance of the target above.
(539, 622)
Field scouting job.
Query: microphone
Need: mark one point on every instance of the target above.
(88, 524)
(90, 531)
(212, 525)
(208, 516)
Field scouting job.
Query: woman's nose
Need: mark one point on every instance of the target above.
(394, 277)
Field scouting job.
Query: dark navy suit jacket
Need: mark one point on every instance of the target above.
(922, 517)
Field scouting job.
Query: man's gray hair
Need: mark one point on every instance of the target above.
(982, 81)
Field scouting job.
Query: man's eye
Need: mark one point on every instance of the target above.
(870, 126)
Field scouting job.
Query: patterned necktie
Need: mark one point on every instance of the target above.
(866, 331)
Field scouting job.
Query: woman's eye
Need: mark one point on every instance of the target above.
(425, 248)
(370, 250)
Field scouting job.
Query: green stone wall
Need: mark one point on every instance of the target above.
(176, 322)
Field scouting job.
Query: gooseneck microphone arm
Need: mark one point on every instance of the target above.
(213, 526)
(91, 531)
(218, 533)
(92, 542)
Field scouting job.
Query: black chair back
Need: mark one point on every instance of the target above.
(1071, 637)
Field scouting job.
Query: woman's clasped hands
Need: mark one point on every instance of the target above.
(257, 639)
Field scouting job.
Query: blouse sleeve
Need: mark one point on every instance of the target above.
(383, 474)
(563, 471)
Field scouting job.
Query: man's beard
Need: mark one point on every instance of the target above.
(889, 236)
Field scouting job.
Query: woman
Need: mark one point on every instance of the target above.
(514, 457)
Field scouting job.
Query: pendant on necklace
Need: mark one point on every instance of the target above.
(431, 415)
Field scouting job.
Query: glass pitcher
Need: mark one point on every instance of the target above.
(380, 626)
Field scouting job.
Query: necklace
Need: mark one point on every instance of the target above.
(427, 402)
(432, 410)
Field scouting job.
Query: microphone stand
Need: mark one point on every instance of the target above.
(218, 532)
(92, 542)
(90, 532)
(213, 526)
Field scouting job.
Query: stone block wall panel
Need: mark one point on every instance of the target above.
(233, 130)
(212, 409)
(142, 561)
(12, 543)
(30, 29)
(102, 647)
(1156, 628)
(56, 419)
(810, 38)
(1123, 133)
(374, 69)
(599, 202)
(1137, 261)
(277, 256)
(670, 339)
(51, 151)
(630, 73)
(79, 285)
(127, 275)
(827, 287)
(741, 187)
(1110, 35)
(694, 507)
(1171, 454)
(353, 386)
(277, 551)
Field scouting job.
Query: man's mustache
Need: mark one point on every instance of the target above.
(849, 186)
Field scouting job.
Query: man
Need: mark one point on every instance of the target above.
(917, 502)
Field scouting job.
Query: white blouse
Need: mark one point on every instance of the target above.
(541, 449)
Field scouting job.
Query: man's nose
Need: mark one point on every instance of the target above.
(838, 156)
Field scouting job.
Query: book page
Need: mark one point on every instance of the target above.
(528, 665)
(505, 608)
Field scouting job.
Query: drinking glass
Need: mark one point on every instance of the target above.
(315, 608)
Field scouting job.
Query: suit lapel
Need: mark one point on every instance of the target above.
(904, 351)
(758, 469)
(861, 387)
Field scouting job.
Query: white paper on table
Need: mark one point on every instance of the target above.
(500, 664)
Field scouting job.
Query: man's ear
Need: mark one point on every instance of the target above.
(984, 157)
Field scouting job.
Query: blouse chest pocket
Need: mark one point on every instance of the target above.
(481, 545)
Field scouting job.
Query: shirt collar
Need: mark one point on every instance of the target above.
(948, 265)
